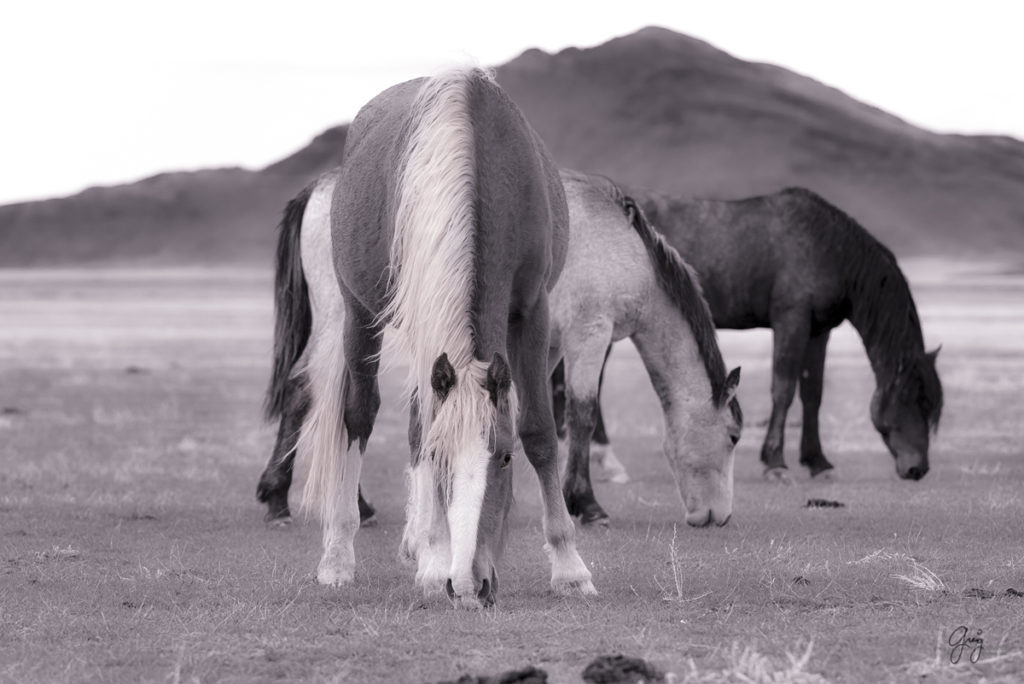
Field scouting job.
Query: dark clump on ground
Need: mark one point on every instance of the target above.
(11, 411)
(619, 669)
(977, 592)
(1013, 593)
(801, 581)
(529, 675)
(824, 503)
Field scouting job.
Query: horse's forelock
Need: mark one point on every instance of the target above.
(918, 380)
(465, 417)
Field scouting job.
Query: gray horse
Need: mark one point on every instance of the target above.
(622, 280)
(448, 225)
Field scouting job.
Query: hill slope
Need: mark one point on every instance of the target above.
(654, 109)
(671, 113)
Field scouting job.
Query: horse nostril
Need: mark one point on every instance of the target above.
(726, 521)
(700, 523)
(485, 594)
(449, 589)
(916, 473)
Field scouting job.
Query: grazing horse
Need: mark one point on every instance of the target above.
(799, 265)
(650, 294)
(449, 225)
(622, 280)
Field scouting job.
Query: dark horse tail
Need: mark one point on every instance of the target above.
(678, 280)
(293, 317)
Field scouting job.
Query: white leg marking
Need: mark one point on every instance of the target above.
(337, 565)
(612, 469)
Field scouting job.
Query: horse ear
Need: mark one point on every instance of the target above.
(442, 377)
(933, 354)
(499, 378)
(732, 382)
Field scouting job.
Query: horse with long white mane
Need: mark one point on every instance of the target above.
(448, 224)
(620, 279)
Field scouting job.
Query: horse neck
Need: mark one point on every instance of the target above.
(883, 312)
(673, 361)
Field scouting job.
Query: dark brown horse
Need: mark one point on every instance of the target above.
(796, 264)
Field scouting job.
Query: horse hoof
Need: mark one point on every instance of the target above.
(826, 475)
(778, 475)
(333, 576)
(593, 520)
(584, 587)
(281, 522)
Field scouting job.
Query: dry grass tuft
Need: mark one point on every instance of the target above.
(922, 578)
(749, 666)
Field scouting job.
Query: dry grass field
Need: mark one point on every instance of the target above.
(132, 548)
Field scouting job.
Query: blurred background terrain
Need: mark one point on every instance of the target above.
(655, 109)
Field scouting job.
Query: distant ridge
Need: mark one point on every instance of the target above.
(653, 109)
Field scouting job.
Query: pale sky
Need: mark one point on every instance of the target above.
(100, 92)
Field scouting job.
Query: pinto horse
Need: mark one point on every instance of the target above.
(797, 264)
(449, 226)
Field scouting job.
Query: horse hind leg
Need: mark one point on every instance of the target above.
(584, 359)
(601, 451)
(790, 335)
(339, 482)
(537, 432)
(811, 382)
(276, 479)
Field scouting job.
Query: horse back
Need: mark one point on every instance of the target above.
(760, 256)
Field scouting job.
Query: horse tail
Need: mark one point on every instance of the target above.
(292, 314)
(678, 280)
(323, 437)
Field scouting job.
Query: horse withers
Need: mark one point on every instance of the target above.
(449, 224)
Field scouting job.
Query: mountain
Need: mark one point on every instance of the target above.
(211, 216)
(654, 109)
(666, 112)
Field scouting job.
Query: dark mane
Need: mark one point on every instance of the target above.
(679, 281)
(881, 306)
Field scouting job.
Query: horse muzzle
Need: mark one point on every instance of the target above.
(911, 467)
(703, 517)
(470, 594)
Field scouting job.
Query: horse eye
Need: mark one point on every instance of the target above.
(506, 459)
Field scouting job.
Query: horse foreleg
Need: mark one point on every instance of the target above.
(276, 479)
(425, 539)
(584, 360)
(791, 332)
(811, 381)
(528, 349)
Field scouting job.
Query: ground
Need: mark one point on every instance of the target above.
(132, 547)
